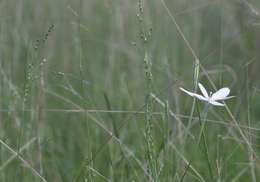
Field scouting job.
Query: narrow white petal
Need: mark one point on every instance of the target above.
(230, 97)
(203, 90)
(187, 92)
(200, 97)
(216, 103)
(220, 94)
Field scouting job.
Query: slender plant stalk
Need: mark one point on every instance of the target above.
(202, 135)
(150, 150)
(40, 112)
(152, 164)
(87, 163)
(195, 78)
(250, 137)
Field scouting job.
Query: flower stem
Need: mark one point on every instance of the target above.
(202, 135)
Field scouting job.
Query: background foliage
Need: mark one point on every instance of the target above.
(90, 90)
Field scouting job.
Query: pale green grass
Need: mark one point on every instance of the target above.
(89, 90)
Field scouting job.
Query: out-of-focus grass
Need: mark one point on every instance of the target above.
(73, 95)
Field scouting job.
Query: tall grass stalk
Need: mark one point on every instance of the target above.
(196, 80)
(87, 163)
(203, 137)
(150, 149)
(40, 112)
(250, 137)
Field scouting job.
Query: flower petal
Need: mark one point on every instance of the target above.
(216, 103)
(220, 94)
(203, 90)
(230, 97)
(200, 97)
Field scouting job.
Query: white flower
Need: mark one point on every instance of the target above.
(219, 95)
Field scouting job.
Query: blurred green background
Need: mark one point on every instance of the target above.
(73, 94)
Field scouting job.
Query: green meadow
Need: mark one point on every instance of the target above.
(90, 90)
